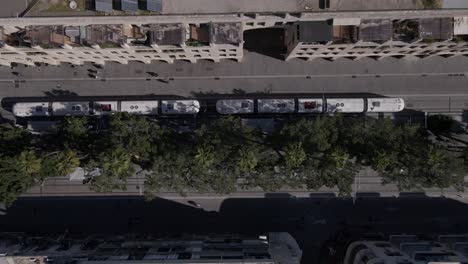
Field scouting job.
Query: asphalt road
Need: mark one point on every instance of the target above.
(313, 221)
(433, 84)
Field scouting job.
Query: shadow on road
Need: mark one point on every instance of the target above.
(315, 221)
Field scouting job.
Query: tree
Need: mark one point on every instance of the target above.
(247, 159)
(294, 155)
(74, 132)
(13, 140)
(317, 135)
(431, 4)
(205, 157)
(60, 163)
(19, 173)
(336, 169)
(171, 172)
(136, 134)
(114, 168)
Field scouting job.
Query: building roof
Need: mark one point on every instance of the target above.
(200, 34)
(376, 30)
(45, 36)
(406, 30)
(154, 5)
(103, 34)
(460, 25)
(226, 33)
(130, 5)
(345, 33)
(315, 31)
(166, 34)
(104, 5)
(435, 28)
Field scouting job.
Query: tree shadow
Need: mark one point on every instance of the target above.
(410, 116)
(62, 94)
(443, 124)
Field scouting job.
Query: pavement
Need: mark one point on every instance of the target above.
(433, 84)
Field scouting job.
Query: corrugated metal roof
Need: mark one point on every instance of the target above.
(104, 5)
(435, 28)
(376, 30)
(130, 5)
(460, 26)
(154, 5)
(315, 31)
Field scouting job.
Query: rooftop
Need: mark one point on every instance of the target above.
(435, 28)
(315, 31)
(104, 35)
(154, 5)
(226, 33)
(406, 30)
(129, 5)
(345, 34)
(166, 34)
(45, 36)
(376, 30)
(460, 26)
(104, 5)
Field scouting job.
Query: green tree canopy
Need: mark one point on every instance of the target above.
(60, 163)
(137, 134)
(19, 173)
(114, 168)
(13, 140)
(74, 133)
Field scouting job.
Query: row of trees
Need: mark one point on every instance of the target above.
(224, 155)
